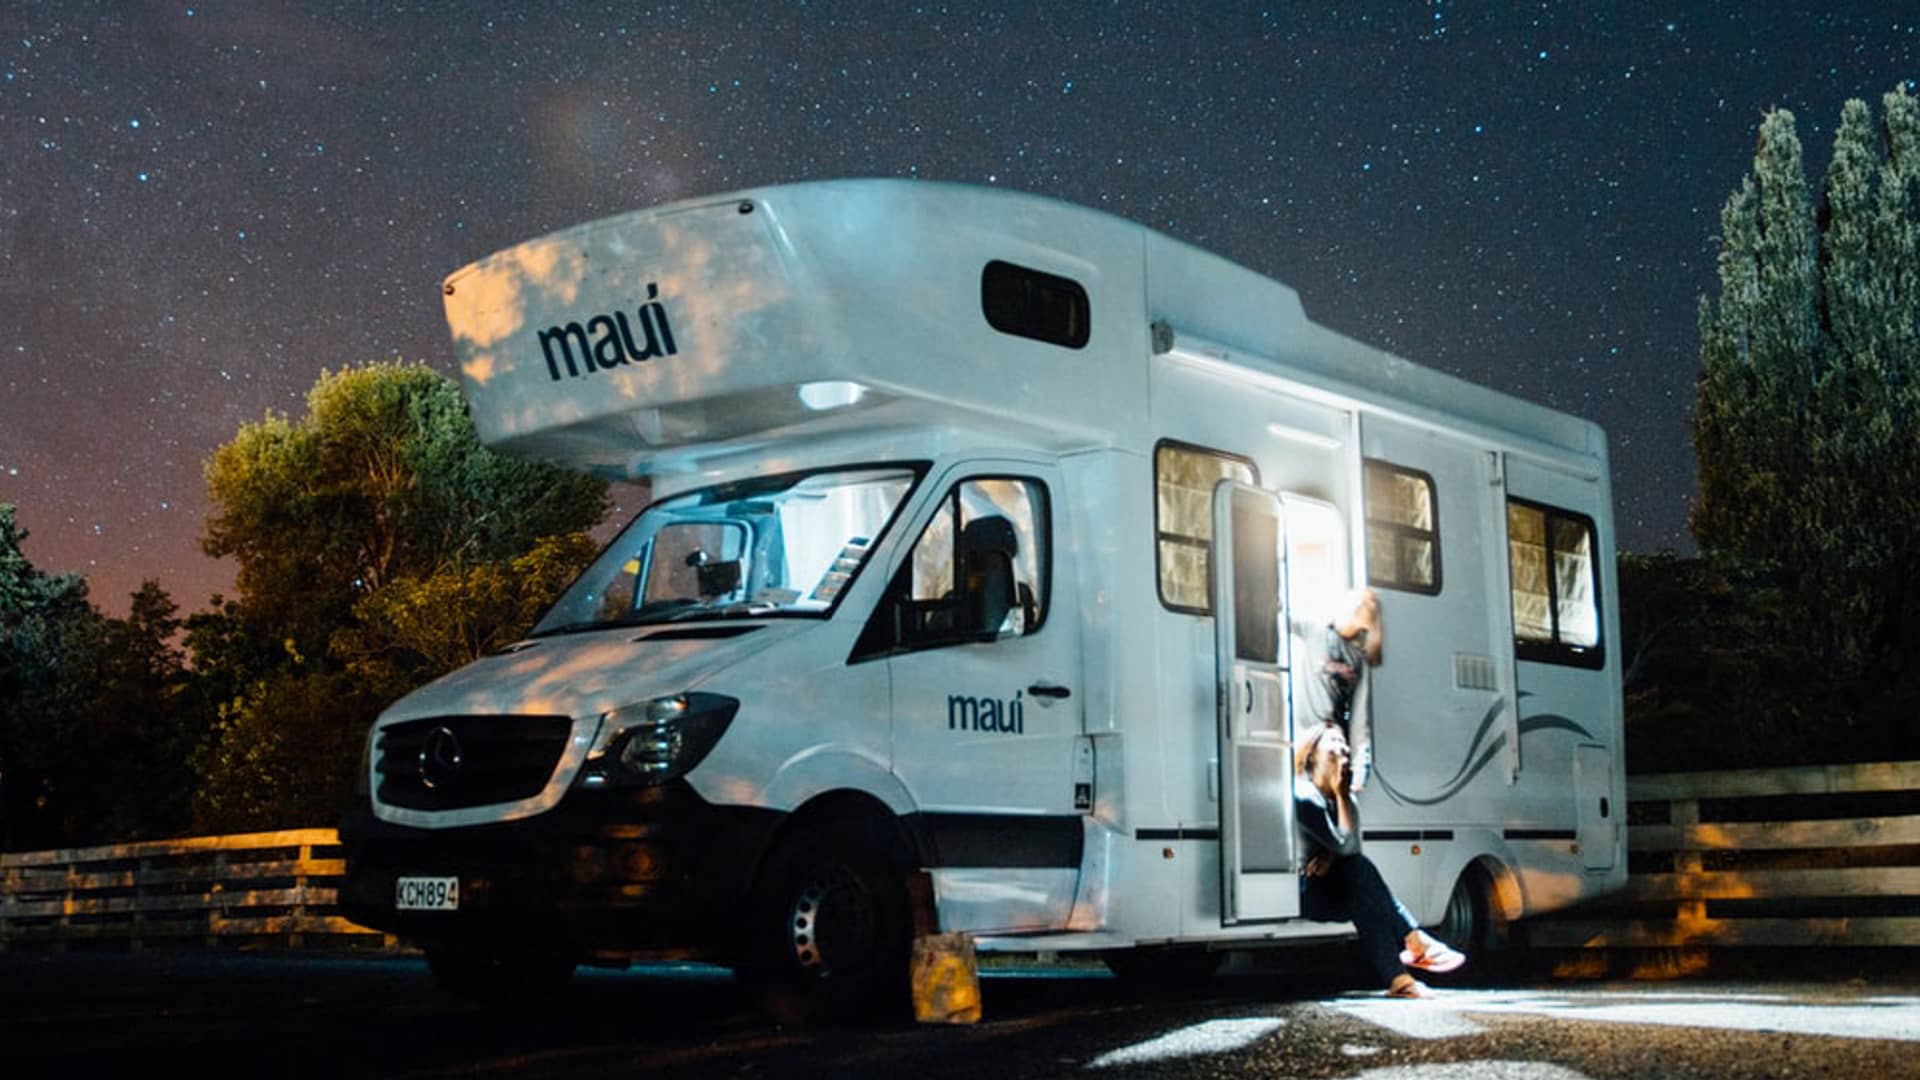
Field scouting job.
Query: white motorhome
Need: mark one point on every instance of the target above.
(984, 529)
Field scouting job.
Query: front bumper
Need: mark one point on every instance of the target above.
(652, 870)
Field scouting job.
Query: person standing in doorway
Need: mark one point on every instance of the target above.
(1341, 653)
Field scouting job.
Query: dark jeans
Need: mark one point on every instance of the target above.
(1353, 891)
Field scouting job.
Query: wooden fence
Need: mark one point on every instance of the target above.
(1820, 855)
(1823, 855)
(260, 890)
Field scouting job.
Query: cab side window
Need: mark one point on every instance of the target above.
(978, 571)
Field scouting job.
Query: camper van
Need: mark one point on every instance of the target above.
(987, 537)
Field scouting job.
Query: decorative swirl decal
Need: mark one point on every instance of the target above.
(1478, 756)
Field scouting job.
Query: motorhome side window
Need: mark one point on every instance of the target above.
(978, 571)
(1556, 585)
(1183, 481)
(1403, 530)
(1034, 304)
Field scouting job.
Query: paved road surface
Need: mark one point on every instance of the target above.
(84, 1015)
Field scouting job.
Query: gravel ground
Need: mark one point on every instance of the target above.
(293, 1015)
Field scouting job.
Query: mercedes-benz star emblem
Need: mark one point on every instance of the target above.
(440, 758)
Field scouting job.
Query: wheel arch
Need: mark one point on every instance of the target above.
(904, 842)
(1484, 852)
(1503, 885)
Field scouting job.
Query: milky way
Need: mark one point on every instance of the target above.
(204, 205)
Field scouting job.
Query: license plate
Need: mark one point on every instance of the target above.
(426, 894)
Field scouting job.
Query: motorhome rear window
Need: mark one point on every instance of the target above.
(1034, 304)
(1556, 585)
(1183, 481)
(1403, 529)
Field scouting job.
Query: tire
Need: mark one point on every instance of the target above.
(832, 933)
(1162, 968)
(500, 978)
(1473, 924)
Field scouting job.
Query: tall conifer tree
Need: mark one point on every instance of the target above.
(1853, 313)
(1806, 423)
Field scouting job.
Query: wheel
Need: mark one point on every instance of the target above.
(832, 934)
(499, 978)
(1473, 924)
(1160, 967)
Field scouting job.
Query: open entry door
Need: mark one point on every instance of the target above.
(1257, 880)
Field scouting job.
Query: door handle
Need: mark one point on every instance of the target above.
(1049, 690)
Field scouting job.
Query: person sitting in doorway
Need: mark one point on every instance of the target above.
(1339, 884)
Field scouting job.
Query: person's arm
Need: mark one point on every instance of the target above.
(1366, 616)
(1347, 821)
(1360, 731)
(1332, 829)
(1376, 630)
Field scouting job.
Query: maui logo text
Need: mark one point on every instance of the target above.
(607, 341)
(986, 714)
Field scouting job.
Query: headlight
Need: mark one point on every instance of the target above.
(657, 741)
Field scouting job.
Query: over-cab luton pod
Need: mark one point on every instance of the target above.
(967, 602)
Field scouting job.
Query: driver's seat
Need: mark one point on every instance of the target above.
(986, 550)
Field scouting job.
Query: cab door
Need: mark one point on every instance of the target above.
(1257, 877)
(982, 637)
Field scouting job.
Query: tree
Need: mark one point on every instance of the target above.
(1759, 353)
(148, 725)
(417, 628)
(372, 535)
(98, 732)
(1707, 639)
(283, 754)
(384, 478)
(1809, 397)
(49, 640)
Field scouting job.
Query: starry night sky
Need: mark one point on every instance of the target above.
(204, 204)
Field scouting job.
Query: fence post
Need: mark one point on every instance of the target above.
(65, 922)
(136, 940)
(214, 889)
(295, 939)
(1684, 813)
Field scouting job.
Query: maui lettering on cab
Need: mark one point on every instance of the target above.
(607, 341)
(986, 714)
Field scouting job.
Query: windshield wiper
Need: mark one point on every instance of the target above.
(728, 611)
(595, 624)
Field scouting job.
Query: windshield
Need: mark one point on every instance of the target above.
(783, 545)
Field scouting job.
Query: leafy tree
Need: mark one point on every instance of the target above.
(1714, 668)
(384, 478)
(417, 628)
(50, 637)
(148, 725)
(283, 754)
(379, 544)
(98, 732)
